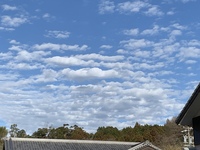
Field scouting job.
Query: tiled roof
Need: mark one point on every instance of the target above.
(145, 146)
(56, 144)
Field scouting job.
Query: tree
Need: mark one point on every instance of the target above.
(41, 133)
(21, 133)
(173, 132)
(13, 130)
(107, 133)
(79, 133)
(3, 132)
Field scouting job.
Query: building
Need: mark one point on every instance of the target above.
(190, 116)
(62, 144)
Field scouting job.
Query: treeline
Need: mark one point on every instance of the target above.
(167, 135)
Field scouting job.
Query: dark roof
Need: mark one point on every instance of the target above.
(191, 109)
(56, 144)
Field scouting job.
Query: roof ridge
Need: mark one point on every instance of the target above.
(73, 141)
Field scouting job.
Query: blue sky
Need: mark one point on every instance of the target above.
(96, 62)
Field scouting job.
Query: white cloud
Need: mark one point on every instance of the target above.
(190, 61)
(122, 51)
(101, 57)
(132, 32)
(24, 55)
(92, 60)
(16, 48)
(8, 7)
(194, 43)
(147, 66)
(46, 15)
(186, 1)
(6, 56)
(51, 46)
(13, 22)
(141, 54)
(154, 11)
(153, 31)
(106, 6)
(48, 75)
(6, 29)
(69, 61)
(189, 52)
(89, 73)
(170, 13)
(178, 26)
(175, 33)
(135, 43)
(106, 46)
(23, 66)
(14, 42)
(58, 34)
(135, 6)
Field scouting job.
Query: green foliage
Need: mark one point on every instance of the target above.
(142, 133)
(63, 132)
(79, 133)
(107, 133)
(40, 133)
(21, 133)
(3, 132)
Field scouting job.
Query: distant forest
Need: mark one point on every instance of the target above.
(166, 137)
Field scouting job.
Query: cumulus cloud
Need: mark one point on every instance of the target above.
(175, 33)
(135, 6)
(135, 43)
(106, 6)
(69, 61)
(52, 46)
(92, 60)
(132, 32)
(106, 46)
(89, 73)
(13, 21)
(24, 55)
(127, 7)
(114, 58)
(153, 31)
(23, 66)
(154, 11)
(14, 42)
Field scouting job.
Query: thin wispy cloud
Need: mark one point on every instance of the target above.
(57, 34)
